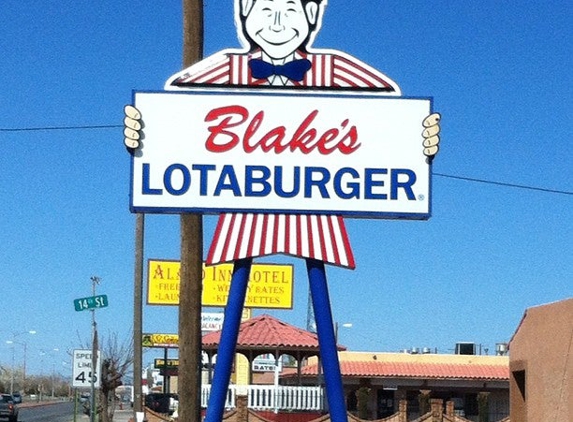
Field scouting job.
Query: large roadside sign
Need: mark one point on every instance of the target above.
(82, 371)
(165, 341)
(270, 285)
(349, 153)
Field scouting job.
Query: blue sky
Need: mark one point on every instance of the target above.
(500, 74)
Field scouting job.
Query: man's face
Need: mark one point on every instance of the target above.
(279, 27)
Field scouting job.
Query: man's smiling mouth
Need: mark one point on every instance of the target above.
(295, 35)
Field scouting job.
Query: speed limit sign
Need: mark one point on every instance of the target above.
(82, 372)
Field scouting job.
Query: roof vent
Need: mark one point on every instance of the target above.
(501, 349)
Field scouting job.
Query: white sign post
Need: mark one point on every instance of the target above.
(82, 372)
(356, 153)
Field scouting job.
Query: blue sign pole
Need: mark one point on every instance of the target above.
(228, 342)
(326, 340)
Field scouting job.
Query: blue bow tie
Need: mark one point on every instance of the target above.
(294, 70)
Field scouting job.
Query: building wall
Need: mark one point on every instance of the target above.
(541, 365)
(465, 391)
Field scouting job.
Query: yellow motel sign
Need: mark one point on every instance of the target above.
(270, 285)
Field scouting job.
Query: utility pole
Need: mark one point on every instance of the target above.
(138, 316)
(95, 347)
(191, 255)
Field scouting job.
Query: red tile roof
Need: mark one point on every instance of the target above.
(267, 332)
(372, 369)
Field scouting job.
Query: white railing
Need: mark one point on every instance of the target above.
(270, 397)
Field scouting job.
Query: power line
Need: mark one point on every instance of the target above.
(510, 185)
(449, 176)
(47, 128)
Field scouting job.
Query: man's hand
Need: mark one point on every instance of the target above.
(132, 126)
(430, 134)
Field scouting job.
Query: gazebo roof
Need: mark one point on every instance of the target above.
(266, 334)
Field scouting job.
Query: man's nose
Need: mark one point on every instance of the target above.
(277, 22)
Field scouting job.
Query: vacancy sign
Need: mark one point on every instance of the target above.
(213, 150)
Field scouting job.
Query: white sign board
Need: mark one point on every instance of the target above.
(212, 321)
(212, 150)
(265, 365)
(82, 369)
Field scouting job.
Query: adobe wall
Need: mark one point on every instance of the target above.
(541, 364)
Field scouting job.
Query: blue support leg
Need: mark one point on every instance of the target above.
(228, 343)
(326, 340)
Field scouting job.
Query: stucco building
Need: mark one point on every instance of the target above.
(389, 378)
(541, 364)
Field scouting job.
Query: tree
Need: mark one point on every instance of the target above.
(483, 406)
(424, 401)
(3, 373)
(117, 359)
(363, 396)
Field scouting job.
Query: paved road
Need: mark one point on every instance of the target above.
(63, 412)
(56, 412)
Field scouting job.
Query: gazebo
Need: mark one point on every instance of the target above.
(265, 334)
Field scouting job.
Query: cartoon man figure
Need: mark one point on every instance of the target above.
(277, 36)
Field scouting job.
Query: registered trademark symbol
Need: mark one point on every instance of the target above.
(421, 197)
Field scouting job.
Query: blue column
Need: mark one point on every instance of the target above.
(228, 342)
(326, 340)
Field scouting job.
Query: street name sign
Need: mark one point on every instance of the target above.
(92, 302)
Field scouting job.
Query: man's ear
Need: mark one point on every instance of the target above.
(312, 12)
(246, 6)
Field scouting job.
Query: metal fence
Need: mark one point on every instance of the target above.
(271, 397)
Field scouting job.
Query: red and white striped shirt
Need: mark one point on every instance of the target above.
(328, 70)
(321, 237)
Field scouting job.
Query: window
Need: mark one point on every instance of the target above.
(519, 378)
